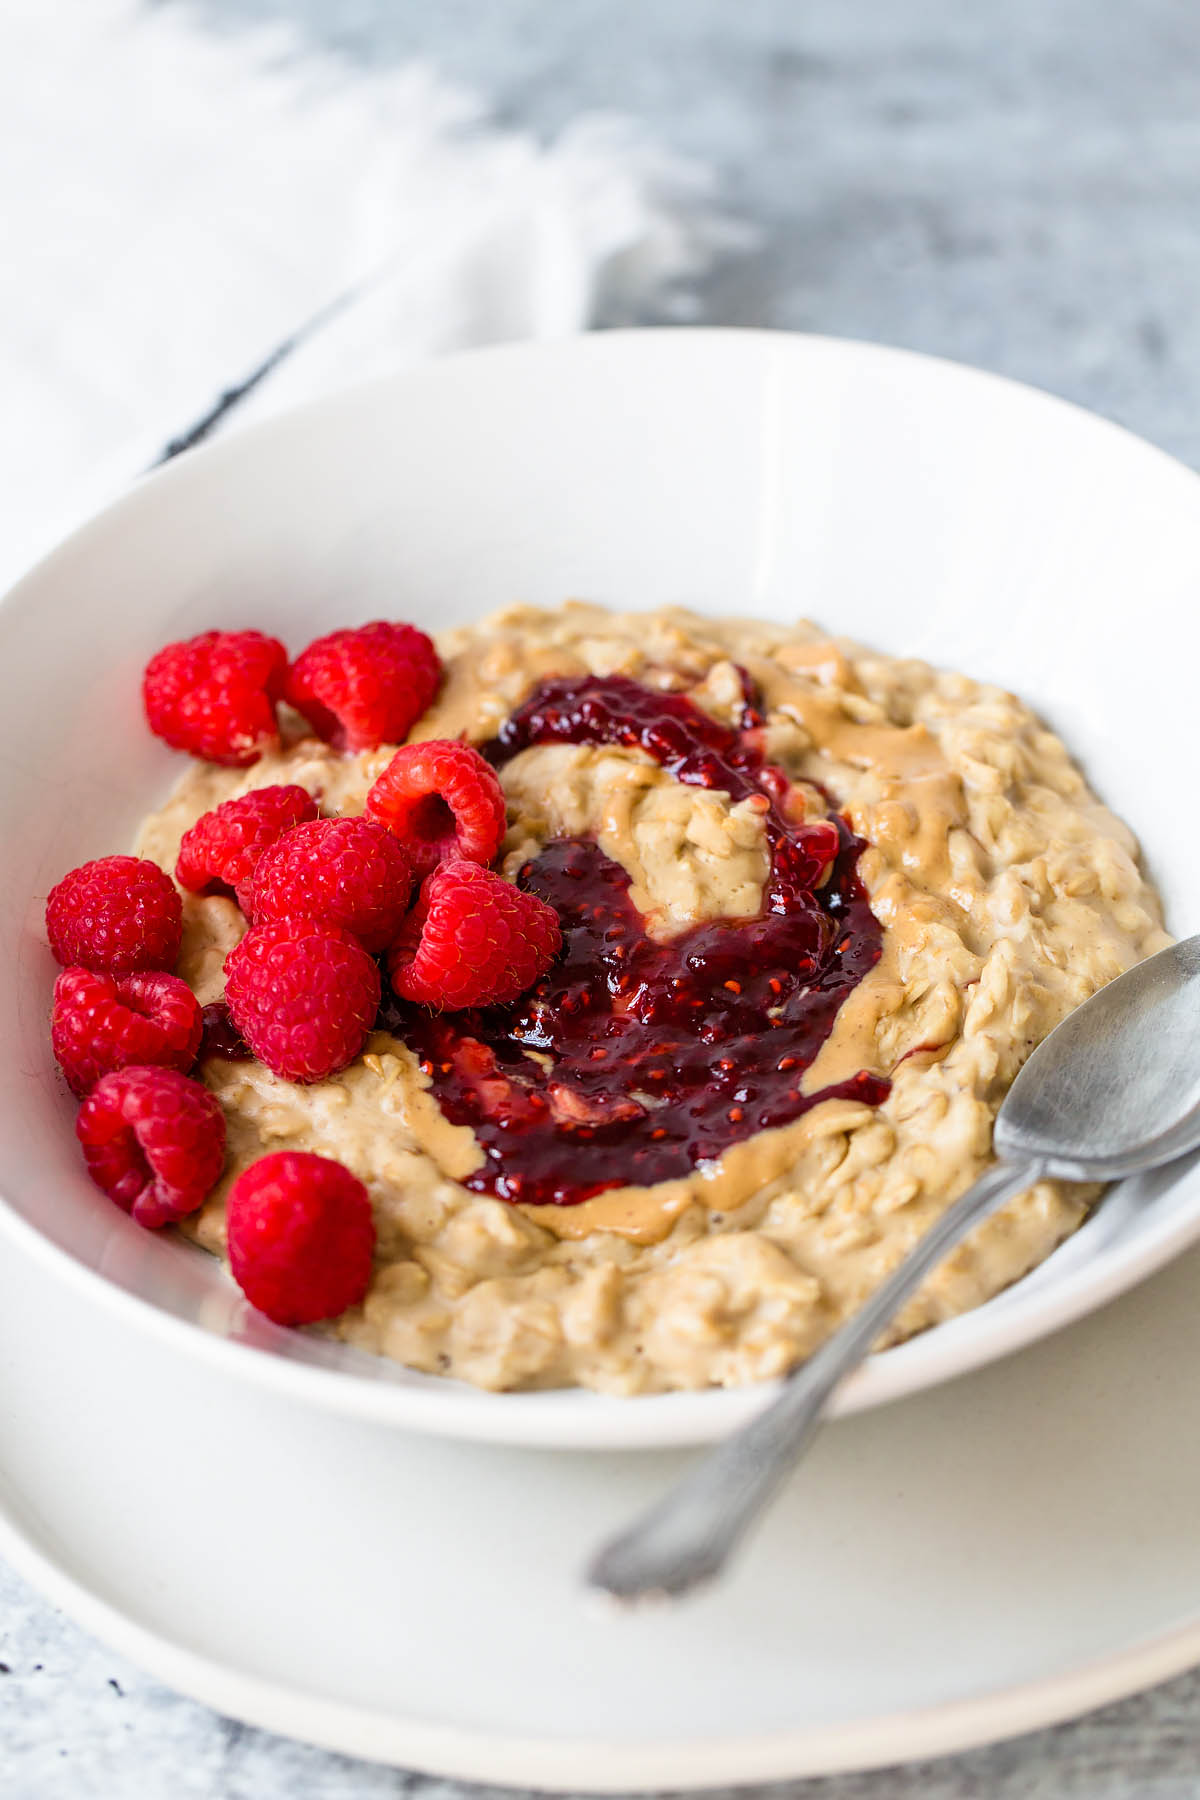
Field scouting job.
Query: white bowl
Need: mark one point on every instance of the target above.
(925, 508)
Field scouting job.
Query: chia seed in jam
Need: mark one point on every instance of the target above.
(648, 1058)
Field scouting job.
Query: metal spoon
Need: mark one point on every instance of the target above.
(1113, 1091)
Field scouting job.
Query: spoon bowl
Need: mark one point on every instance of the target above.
(1115, 1088)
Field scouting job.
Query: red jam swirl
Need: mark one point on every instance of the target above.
(221, 1037)
(651, 1057)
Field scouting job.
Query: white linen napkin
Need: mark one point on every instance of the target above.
(178, 203)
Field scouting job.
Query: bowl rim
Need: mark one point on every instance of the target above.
(577, 1418)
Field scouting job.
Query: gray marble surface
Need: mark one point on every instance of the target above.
(1015, 185)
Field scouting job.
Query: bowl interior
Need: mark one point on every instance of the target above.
(924, 508)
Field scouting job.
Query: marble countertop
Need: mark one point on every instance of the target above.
(1014, 186)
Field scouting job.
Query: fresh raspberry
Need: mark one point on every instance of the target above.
(154, 1140)
(442, 800)
(219, 853)
(347, 872)
(359, 689)
(300, 1237)
(99, 1023)
(481, 941)
(214, 695)
(117, 914)
(303, 995)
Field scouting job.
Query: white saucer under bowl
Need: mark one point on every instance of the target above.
(919, 506)
(997, 1553)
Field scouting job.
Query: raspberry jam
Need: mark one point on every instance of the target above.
(221, 1037)
(651, 1057)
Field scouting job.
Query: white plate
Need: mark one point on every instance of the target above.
(921, 506)
(998, 1553)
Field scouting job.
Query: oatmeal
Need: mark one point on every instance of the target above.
(968, 891)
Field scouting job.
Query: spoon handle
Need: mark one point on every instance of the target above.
(687, 1536)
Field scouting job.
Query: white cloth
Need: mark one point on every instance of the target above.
(174, 202)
